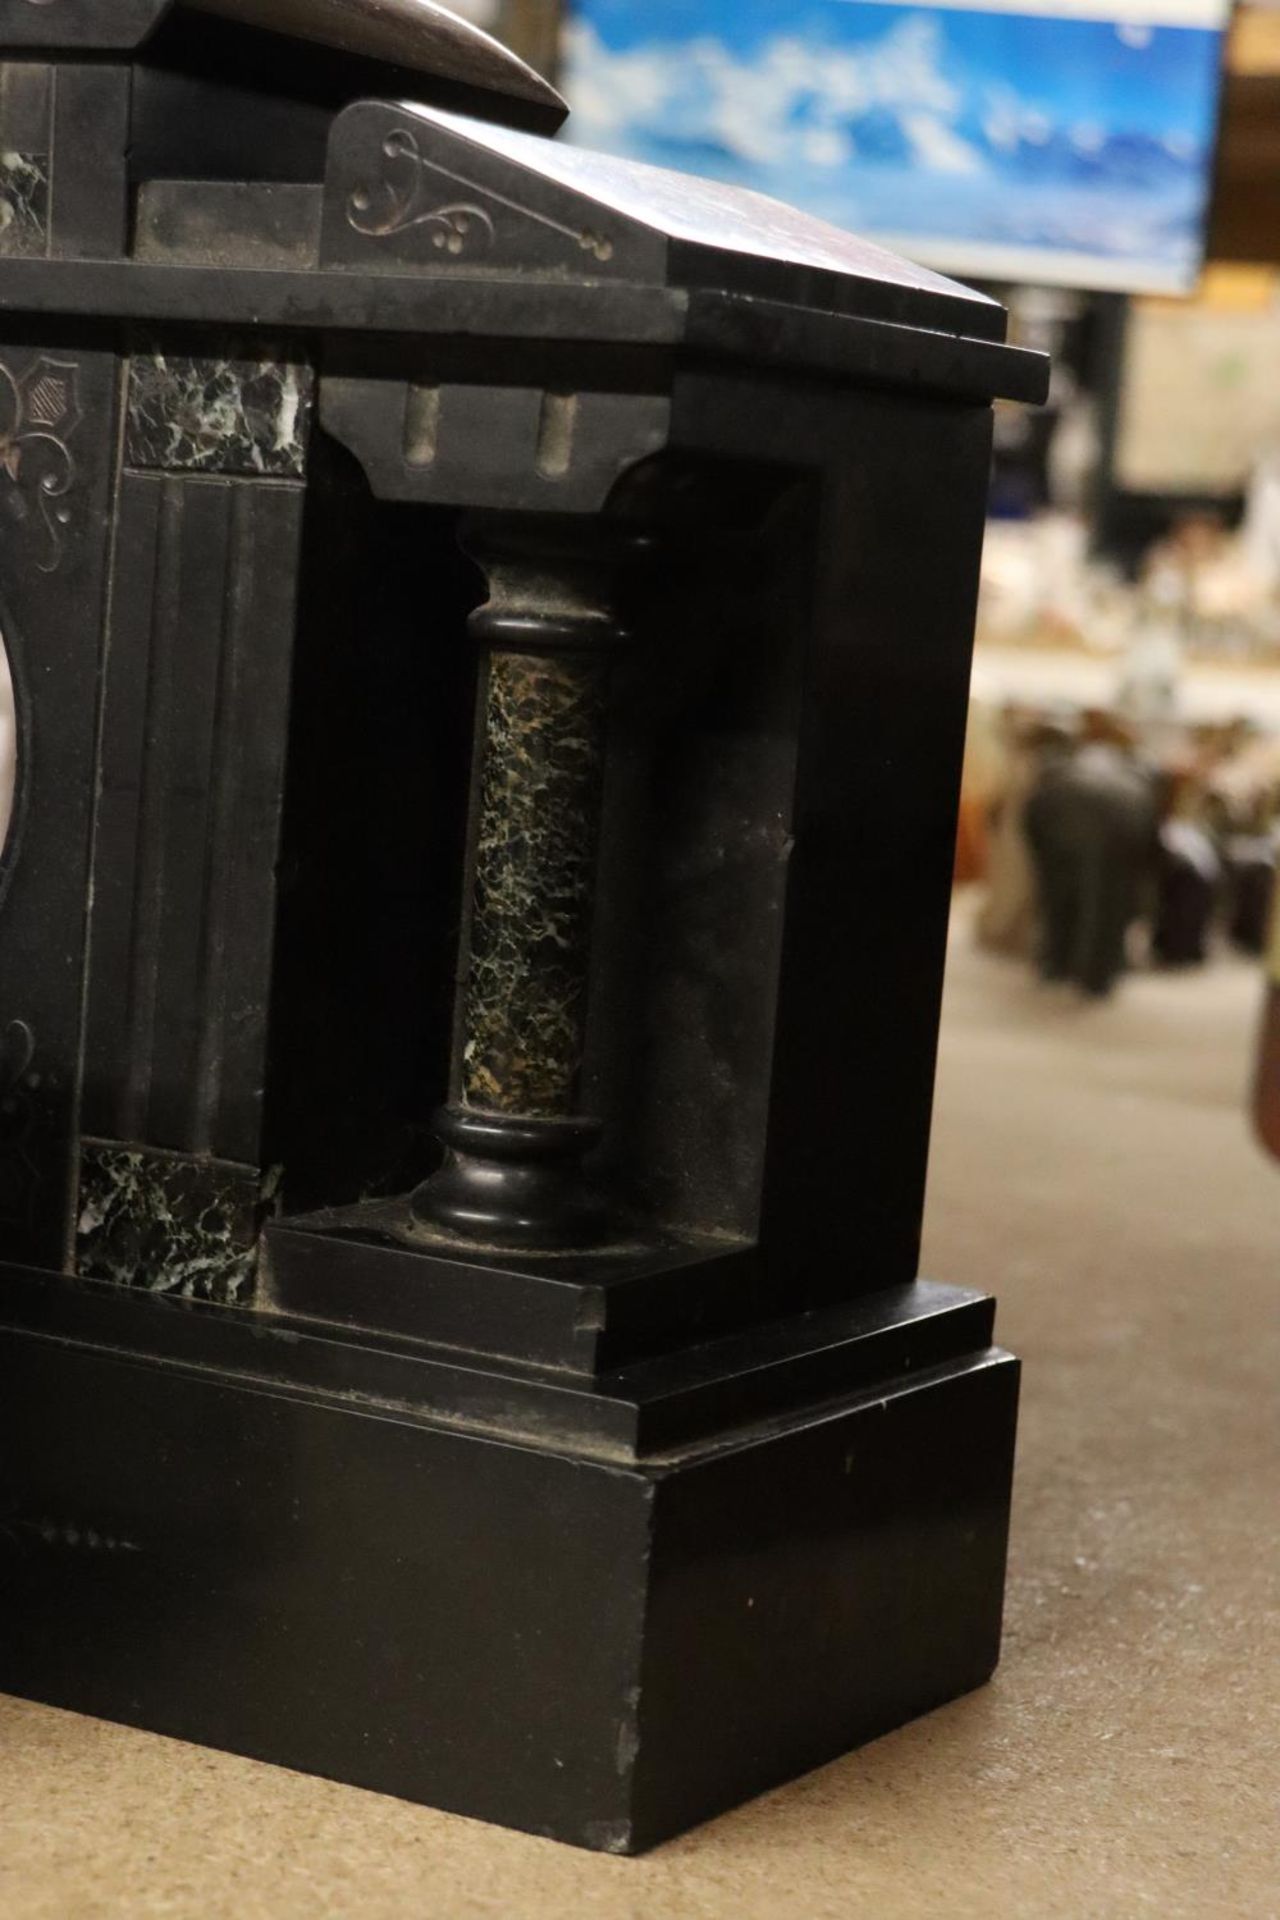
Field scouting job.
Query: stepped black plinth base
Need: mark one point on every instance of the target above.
(598, 1611)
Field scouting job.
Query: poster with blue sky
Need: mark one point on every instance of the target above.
(1065, 143)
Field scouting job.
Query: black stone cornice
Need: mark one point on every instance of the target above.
(768, 333)
(731, 328)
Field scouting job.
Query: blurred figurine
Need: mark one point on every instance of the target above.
(1091, 822)
(1147, 693)
(1189, 870)
(1244, 797)
(1188, 880)
(1260, 531)
(985, 771)
(1266, 1090)
(1251, 878)
(1008, 920)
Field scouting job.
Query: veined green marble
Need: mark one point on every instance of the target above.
(169, 1223)
(245, 417)
(24, 203)
(536, 852)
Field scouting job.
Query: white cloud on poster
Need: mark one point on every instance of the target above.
(902, 137)
(788, 99)
(937, 147)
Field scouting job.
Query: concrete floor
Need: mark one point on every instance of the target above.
(1093, 1167)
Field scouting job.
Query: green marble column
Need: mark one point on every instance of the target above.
(514, 1135)
(535, 860)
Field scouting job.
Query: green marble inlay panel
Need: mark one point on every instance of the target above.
(169, 1223)
(536, 852)
(24, 205)
(244, 417)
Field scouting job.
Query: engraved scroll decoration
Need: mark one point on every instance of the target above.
(402, 200)
(39, 414)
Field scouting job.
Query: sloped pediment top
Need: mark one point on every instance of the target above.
(412, 186)
(416, 185)
(88, 25)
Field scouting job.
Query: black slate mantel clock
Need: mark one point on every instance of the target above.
(490, 626)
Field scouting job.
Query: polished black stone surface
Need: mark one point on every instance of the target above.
(591, 1457)
(198, 659)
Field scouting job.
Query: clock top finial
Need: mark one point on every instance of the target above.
(417, 35)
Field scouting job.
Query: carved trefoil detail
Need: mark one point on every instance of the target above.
(402, 199)
(39, 414)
